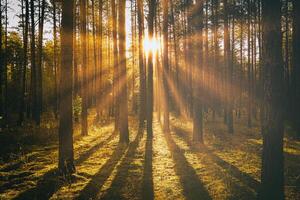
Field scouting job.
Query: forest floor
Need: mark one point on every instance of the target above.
(170, 166)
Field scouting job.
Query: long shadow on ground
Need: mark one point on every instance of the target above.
(232, 170)
(91, 191)
(50, 183)
(193, 188)
(147, 187)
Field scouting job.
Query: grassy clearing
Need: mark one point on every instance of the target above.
(170, 166)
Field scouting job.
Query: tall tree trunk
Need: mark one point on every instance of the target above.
(100, 61)
(198, 94)
(75, 55)
(296, 67)
(115, 66)
(190, 56)
(142, 98)
(124, 133)
(152, 5)
(1, 65)
(216, 54)
(165, 69)
(95, 70)
(55, 60)
(25, 61)
(249, 103)
(229, 67)
(272, 177)
(34, 105)
(39, 86)
(84, 88)
(5, 74)
(66, 155)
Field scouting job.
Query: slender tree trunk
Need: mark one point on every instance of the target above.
(95, 70)
(198, 94)
(216, 54)
(249, 67)
(66, 155)
(84, 88)
(56, 92)
(39, 86)
(142, 100)
(116, 66)
(272, 177)
(296, 68)
(124, 133)
(229, 67)
(152, 5)
(166, 70)
(34, 105)
(100, 62)
(1, 65)
(175, 45)
(5, 67)
(25, 61)
(75, 55)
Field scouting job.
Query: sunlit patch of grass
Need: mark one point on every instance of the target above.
(166, 183)
(44, 159)
(170, 166)
(236, 159)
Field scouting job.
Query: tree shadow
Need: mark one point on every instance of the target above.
(94, 185)
(147, 186)
(231, 169)
(92, 189)
(50, 182)
(123, 170)
(193, 188)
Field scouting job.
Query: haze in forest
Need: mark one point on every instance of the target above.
(156, 99)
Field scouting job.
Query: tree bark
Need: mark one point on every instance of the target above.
(124, 133)
(272, 177)
(34, 105)
(166, 75)
(198, 77)
(228, 67)
(296, 67)
(84, 88)
(142, 100)
(66, 155)
(115, 66)
(152, 5)
(25, 61)
(39, 73)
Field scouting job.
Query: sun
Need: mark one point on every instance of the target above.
(151, 45)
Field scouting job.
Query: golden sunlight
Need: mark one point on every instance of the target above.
(154, 45)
